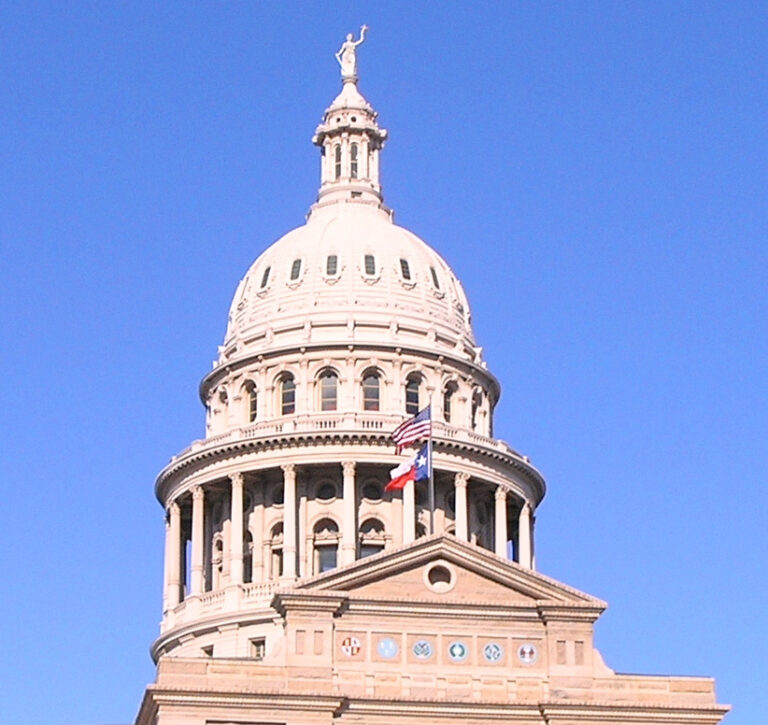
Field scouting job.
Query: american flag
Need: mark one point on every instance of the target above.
(414, 429)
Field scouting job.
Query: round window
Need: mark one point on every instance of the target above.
(326, 491)
(440, 577)
(372, 491)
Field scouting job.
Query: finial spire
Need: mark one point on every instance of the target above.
(347, 56)
(350, 139)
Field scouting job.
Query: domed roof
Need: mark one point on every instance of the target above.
(349, 275)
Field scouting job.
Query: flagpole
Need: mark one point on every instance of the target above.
(431, 479)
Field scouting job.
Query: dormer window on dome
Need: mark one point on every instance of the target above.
(331, 265)
(405, 270)
(295, 270)
(265, 278)
(369, 265)
(435, 278)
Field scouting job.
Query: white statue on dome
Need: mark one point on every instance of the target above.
(347, 55)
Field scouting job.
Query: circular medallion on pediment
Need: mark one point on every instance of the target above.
(422, 649)
(527, 653)
(387, 648)
(457, 651)
(493, 652)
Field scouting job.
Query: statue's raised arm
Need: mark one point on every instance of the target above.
(347, 55)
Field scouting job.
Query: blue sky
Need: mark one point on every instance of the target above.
(594, 171)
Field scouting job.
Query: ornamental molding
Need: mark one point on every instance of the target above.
(235, 443)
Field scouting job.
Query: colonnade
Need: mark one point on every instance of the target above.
(175, 574)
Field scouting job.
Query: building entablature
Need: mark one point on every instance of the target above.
(262, 447)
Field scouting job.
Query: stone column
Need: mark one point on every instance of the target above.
(409, 512)
(500, 521)
(173, 565)
(460, 483)
(524, 537)
(349, 522)
(236, 530)
(198, 533)
(289, 521)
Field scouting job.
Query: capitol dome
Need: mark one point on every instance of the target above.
(338, 334)
(349, 275)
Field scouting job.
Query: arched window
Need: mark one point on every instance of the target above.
(251, 401)
(276, 551)
(287, 395)
(412, 386)
(248, 558)
(450, 389)
(372, 537)
(329, 390)
(325, 541)
(371, 392)
(477, 401)
(217, 562)
(337, 161)
(353, 160)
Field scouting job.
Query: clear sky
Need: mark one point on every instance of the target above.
(595, 172)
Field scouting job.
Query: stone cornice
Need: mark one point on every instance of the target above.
(308, 601)
(260, 613)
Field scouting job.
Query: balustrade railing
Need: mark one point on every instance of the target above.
(352, 421)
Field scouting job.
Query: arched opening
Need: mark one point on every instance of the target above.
(448, 393)
(412, 393)
(353, 161)
(248, 558)
(371, 391)
(477, 401)
(325, 541)
(372, 537)
(251, 399)
(287, 395)
(276, 551)
(337, 162)
(329, 390)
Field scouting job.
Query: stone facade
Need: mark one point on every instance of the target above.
(296, 589)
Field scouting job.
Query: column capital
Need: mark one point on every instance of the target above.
(500, 494)
(197, 493)
(348, 467)
(174, 509)
(289, 470)
(236, 479)
(461, 479)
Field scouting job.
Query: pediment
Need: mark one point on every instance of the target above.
(476, 575)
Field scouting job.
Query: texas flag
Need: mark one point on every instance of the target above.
(415, 469)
